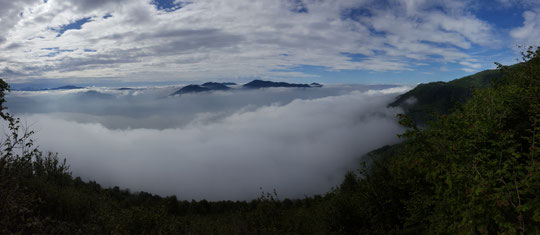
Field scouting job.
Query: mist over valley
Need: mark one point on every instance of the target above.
(219, 145)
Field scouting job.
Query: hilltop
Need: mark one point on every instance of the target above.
(427, 100)
(255, 84)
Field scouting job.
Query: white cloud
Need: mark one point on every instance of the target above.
(296, 146)
(469, 70)
(471, 65)
(230, 39)
(529, 33)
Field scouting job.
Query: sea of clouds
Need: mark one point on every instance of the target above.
(224, 145)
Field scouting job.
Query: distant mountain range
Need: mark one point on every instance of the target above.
(419, 103)
(194, 88)
(255, 84)
(68, 87)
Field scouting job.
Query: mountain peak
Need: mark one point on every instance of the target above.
(68, 87)
(191, 89)
(256, 84)
(215, 86)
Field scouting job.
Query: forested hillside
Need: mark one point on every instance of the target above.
(426, 101)
(474, 170)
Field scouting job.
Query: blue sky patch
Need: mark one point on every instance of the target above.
(299, 6)
(54, 51)
(71, 26)
(355, 13)
(355, 57)
(168, 5)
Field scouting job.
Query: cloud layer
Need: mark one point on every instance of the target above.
(194, 40)
(296, 145)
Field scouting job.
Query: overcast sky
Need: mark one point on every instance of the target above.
(332, 41)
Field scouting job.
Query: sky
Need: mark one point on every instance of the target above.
(98, 42)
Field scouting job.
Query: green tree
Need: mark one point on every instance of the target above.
(481, 162)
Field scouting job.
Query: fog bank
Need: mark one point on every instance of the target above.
(215, 146)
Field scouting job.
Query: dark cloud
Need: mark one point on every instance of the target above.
(89, 5)
(7, 73)
(12, 46)
(104, 60)
(198, 42)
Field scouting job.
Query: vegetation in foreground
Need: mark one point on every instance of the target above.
(475, 170)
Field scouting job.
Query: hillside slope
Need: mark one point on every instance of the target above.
(425, 100)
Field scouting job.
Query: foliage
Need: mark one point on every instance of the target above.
(476, 170)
